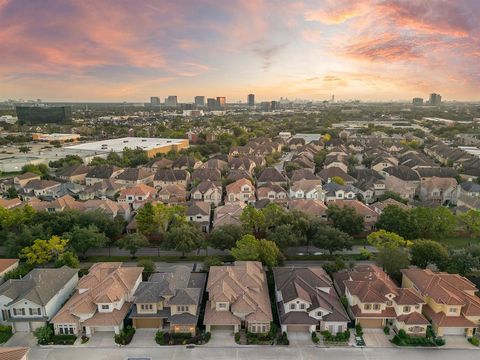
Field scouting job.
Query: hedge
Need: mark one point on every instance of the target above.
(64, 339)
(125, 336)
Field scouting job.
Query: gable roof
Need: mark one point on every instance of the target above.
(13, 353)
(402, 172)
(102, 171)
(326, 174)
(38, 286)
(271, 174)
(171, 175)
(134, 174)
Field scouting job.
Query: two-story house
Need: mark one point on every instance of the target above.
(28, 303)
(101, 301)
(307, 301)
(102, 172)
(164, 177)
(334, 192)
(272, 192)
(199, 212)
(135, 176)
(38, 188)
(169, 300)
(207, 191)
(375, 301)
(451, 303)
(307, 189)
(238, 298)
(438, 190)
(241, 190)
(137, 196)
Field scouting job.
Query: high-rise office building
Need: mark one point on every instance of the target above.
(32, 115)
(417, 101)
(221, 102)
(200, 100)
(211, 103)
(251, 100)
(435, 99)
(171, 101)
(155, 101)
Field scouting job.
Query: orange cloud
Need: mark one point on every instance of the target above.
(338, 11)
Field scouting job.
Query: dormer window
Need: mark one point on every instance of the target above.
(319, 313)
(406, 308)
(302, 306)
(105, 307)
(292, 306)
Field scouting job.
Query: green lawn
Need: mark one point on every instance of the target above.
(4, 336)
(459, 242)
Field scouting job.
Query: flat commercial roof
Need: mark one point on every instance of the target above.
(117, 145)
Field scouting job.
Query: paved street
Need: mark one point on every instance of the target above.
(250, 353)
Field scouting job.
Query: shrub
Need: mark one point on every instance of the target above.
(283, 340)
(339, 337)
(402, 334)
(474, 341)
(6, 328)
(159, 338)
(237, 337)
(207, 337)
(44, 334)
(358, 330)
(64, 339)
(181, 336)
(125, 336)
(85, 339)
(403, 339)
(315, 338)
(386, 330)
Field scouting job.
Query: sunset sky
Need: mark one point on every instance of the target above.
(115, 50)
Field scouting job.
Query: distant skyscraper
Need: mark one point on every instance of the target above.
(274, 105)
(211, 103)
(200, 100)
(155, 101)
(435, 99)
(171, 101)
(417, 101)
(221, 102)
(251, 100)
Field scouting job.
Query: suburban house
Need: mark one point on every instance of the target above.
(14, 353)
(228, 214)
(135, 176)
(36, 188)
(451, 303)
(74, 173)
(101, 300)
(405, 189)
(7, 265)
(10, 203)
(137, 195)
(186, 163)
(28, 303)
(375, 301)
(241, 190)
(164, 177)
(271, 175)
(467, 195)
(307, 301)
(334, 192)
(169, 300)
(238, 298)
(207, 191)
(438, 190)
(272, 192)
(315, 208)
(199, 213)
(102, 172)
(302, 174)
(307, 189)
(327, 174)
(172, 194)
(201, 174)
(21, 180)
(370, 217)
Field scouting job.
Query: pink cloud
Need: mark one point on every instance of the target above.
(338, 11)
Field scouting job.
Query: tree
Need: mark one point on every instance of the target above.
(397, 220)
(434, 223)
(331, 239)
(145, 219)
(43, 334)
(470, 221)
(132, 243)
(12, 193)
(345, 219)
(338, 180)
(425, 252)
(461, 262)
(392, 260)
(184, 238)
(83, 239)
(148, 268)
(383, 239)
(211, 261)
(69, 259)
(284, 236)
(24, 149)
(249, 248)
(44, 251)
(225, 237)
(253, 221)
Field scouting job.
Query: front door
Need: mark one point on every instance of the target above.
(243, 324)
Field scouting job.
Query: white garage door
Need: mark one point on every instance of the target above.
(103, 328)
(22, 326)
(454, 331)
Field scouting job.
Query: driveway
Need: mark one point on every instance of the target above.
(21, 339)
(101, 339)
(457, 342)
(376, 338)
(143, 338)
(222, 338)
(300, 338)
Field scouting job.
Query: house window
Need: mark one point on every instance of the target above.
(19, 311)
(319, 313)
(389, 302)
(367, 306)
(452, 310)
(35, 311)
(376, 306)
(222, 305)
(406, 308)
(105, 307)
(292, 306)
(302, 306)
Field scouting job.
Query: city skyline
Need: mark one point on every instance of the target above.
(119, 50)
